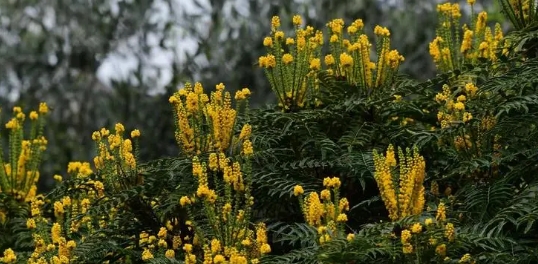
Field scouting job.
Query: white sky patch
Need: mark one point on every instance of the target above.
(157, 65)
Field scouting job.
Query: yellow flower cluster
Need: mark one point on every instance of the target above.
(452, 110)
(55, 243)
(52, 244)
(195, 111)
(9, 256)
(292, 63)
(325, 211)
(430, 234)
(158, 245)
(405, 197)
(473, 139)
(20, 173)
(478, 41)
(224, 187)
(116, 156)
(350, 57)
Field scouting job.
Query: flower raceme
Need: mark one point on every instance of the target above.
(55, 241)
(403, 194)
(20, 173)
(325, 211)
(477, 40)
(205, 123)
(224, 193)
(350, 57)
(292, 63)
(117, 155)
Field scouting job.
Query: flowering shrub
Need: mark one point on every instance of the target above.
(351, 57)
(229, 195)
(325, 211)
(477, 40)
(205, 123)
(20, 172)
(292, 63)
(403, 195)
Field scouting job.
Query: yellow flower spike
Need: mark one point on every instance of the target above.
(313, 209)
(184, 201)
(119, 128)
(247, 148)
(346, 60)
(290, 41)
(34, 115)
(416, 228)
(334, 38)
(410, 199)
(343, 204)
(279, 35)
(459, 106)
(43, 108)
(297, 20)
(449, 232)
(30, 223)
(170, 254)
(352, 29)
(466, 258)
(287, 58)
(406, 236)
(342, 218)
(315, 64)
(467, 117)
(268, 41)
(96, 136)
(325, 195)
(441, 212)
(275, 22)
(381, 31)
(147, 255)
(329, 60)
(9, 256)
(20, 116)
(135, 133)
(298, 190)
(441, 250)
(336, 26)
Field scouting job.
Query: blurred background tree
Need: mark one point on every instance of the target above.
(100, 62)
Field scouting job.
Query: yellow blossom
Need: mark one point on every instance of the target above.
(43, 108)
(298, 190)
(275, 22)
(268, 42)
(147, 255)
(297, 20)
(441, 250)
(9, 256)
(315, 64)
(135, 133)
(416, 228)
(170, 254)
(287, 58)
(346, 60)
